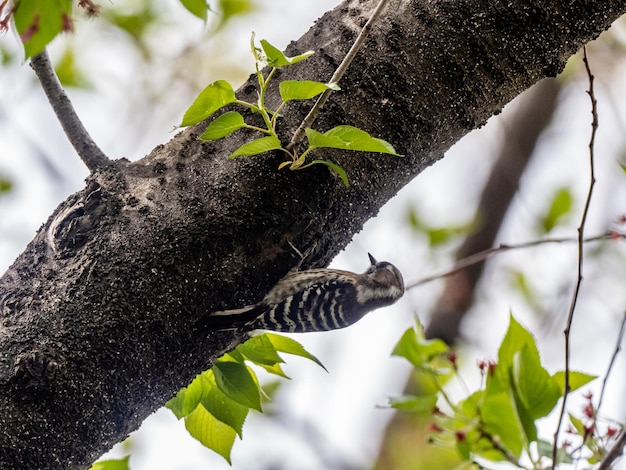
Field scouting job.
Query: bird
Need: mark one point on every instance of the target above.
(314, 300)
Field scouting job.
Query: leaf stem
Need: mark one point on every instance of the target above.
(339, 72)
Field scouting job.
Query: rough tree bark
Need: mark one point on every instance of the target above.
(97, 311)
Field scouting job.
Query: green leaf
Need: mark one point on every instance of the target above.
(414, 403)
(221, 407)
(198, 8)
(215, 96)
(257, 146)
(117, 464)
(39, 21)
(560, 207)
(515, 339)
(211, 432)
(291, 346)
(348, 138)
(187, 399)
(238, 383)
(500, 420)
(223, 125)
(419, 351)
(334, 167)
(576, 380)
(275, 369)
(275, 57)
(260, 350)
(535, 387)
(303, 89)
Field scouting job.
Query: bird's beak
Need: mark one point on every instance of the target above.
(372, 259)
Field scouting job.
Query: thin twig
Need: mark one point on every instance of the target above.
(581, 229)
(485, 254)
(618, 347)
(341, 70)
(87, 149)
(615, 452)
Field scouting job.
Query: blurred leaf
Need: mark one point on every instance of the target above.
(520, 283)
(436, 235)
(215, 96)
(238, 383)
(187, 399)
(220, 406)
(198, 8)
(414, 403)
(303, 89)
(67, 71)
(576, 380)
(291, 346)
(223, 125)
(276, 58)
(577, 424)
(348, 138)
(211, 432)
(229, 9)
(419, 351)
(39, 21)
(135, 19)
(257, 146)
(5, 184)
(118, 464)
(560, 208)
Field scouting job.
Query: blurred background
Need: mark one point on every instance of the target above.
(132, 72)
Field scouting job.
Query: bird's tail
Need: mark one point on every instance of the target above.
(228, 319)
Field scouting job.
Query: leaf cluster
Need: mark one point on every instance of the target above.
(216, 404)
(498, 422)
(221, 93)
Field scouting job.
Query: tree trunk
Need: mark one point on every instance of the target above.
(97, 313)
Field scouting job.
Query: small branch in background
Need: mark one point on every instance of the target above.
(581, 229)
(87, 149)
(341, 70)
(485, 254)
(618, 348)
(616, 451)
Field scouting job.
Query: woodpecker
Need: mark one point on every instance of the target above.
(314, 300)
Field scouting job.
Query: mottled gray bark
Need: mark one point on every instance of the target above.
(96, 314)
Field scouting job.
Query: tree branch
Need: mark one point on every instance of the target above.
(88, 151)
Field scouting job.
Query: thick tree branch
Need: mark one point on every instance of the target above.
(96, 314)
(87, 149)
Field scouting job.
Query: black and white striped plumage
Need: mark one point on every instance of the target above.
(315, 300)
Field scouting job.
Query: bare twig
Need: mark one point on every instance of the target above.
(581, 229)
(618, 347)
(613, 454)
(483, 255)
(341, 70)
(87, 149)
